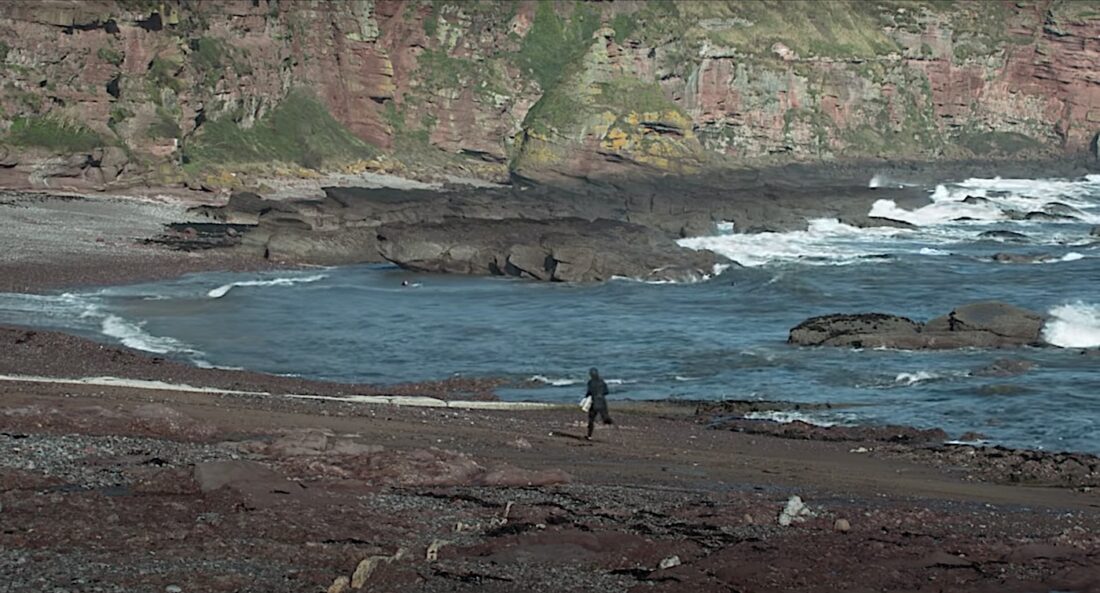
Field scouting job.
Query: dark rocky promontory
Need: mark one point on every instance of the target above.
(989, 324)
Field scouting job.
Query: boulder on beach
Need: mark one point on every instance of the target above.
(988, 324)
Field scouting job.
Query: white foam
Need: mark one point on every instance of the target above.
(1072, 256)
(1074, 325)
(223, 290)
(553, 381)
(786, 417)
(395, 400)
(134, 336)
(997, 198)
(933, 251)
(883, 180)
(917, 377)
(825, 241)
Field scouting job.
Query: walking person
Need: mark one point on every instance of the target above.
(597, 390)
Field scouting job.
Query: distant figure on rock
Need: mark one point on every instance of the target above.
(597, 390)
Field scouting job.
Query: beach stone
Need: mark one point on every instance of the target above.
(842, 526)
(368, 565)
(795, 510)
(340, 585)
(521, 443)
(173, 589)
(669, 562)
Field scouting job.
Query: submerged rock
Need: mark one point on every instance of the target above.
(1063, 210)
(1021, 258)
(1003, 235)
(1047, 216)
(1005, 367)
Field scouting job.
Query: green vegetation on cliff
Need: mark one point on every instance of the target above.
(53, 134)
(299, 130)
(553, 41)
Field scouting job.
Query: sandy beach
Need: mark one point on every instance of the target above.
(236, 485)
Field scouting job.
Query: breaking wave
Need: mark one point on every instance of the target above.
(134, 336)
(224, 289)
(786, 417)
(992, 200)
(552, 381)
(825, 241)
(917, 377)
(1075, 325)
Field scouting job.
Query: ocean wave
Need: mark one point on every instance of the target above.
(979, 200)
(917, 377)
(1074, 325)
(224, 289)
(786, 417)
(133, 335)
(552, 381)
(824, 242)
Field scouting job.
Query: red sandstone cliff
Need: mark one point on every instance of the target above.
(126, 90)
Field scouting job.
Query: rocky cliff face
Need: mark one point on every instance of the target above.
(115, 91)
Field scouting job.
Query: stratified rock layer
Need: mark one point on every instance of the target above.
(109, 92)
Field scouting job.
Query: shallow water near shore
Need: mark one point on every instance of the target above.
(720, 339)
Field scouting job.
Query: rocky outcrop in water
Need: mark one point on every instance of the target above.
(563, 250)
(646, 216)
(988, 324)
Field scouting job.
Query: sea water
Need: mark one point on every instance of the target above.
(724, 338)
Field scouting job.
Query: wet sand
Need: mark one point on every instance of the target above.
(114, 488)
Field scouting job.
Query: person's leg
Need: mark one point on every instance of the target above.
(606, 416)
(591, 420)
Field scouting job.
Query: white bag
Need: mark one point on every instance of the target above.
(586, 403)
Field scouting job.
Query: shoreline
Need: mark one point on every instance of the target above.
(33, 356)
(102, 475)
(243, 489)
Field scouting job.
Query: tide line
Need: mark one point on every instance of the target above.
(393, 400)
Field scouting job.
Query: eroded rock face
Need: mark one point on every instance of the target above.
(978, 325)
(574, 90)
(564, 250)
